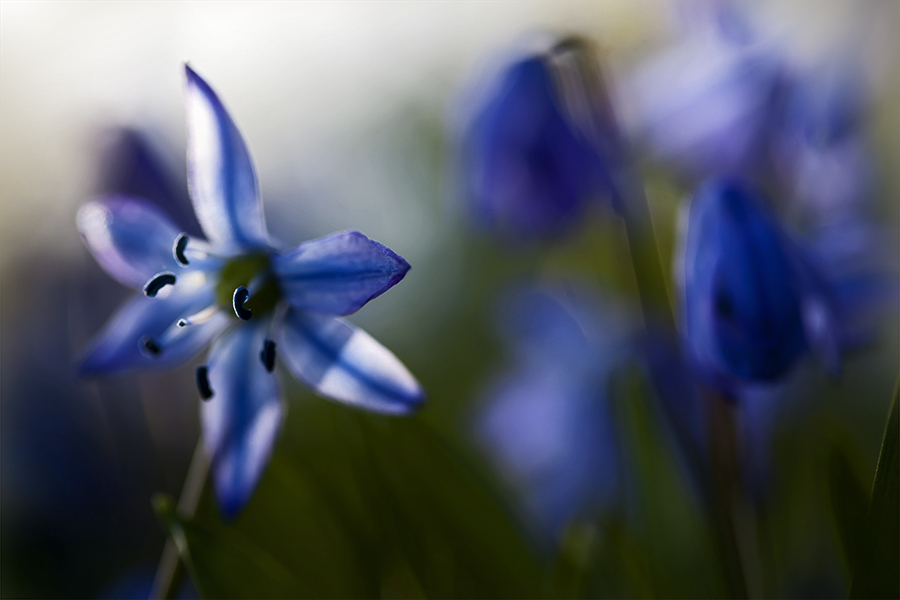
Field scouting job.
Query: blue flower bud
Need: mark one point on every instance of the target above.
(742, 286)
(526, 172)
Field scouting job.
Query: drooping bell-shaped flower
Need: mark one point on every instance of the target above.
(238, 291)
(708, 102)
(546, 423)
(751, 302)
(527, 172)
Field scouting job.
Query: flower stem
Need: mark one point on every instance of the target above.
(170, 571)
(590, 105)
(726, 491)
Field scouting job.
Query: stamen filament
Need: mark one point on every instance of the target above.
(200, 317)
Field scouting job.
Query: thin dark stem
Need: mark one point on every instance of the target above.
(645, 257)
(589, 105)
(170, 571)
(727, 490)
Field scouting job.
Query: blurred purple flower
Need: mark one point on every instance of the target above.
(527, 172)
(727, 97)
(709, 103)
(547, 424)
(196, 292)
(131, 165)
(821, 151)
(751, 300)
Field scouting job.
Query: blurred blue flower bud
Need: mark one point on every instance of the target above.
(751, 301)
(526, 171)
(547, 424)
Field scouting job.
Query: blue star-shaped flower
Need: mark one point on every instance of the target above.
(239, 292)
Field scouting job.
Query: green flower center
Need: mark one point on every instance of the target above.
(240, 272)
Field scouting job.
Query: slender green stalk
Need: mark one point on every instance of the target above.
(589, 104)
(170, 572)
(727, 491)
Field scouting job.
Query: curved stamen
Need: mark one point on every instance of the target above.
(150, 346)
(267, 355)
(158, 282)
(203, 383)
(241, 295)
(190, 251)
(199, 318)
(181, 243)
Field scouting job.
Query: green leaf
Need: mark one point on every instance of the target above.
(878, 573)
(358, 506)
(850, 504)
(670, 551)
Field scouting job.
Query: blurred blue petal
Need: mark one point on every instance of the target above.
(546, 423)
(242, 419)
(742, 296)
(708, 104)
(527, 173)
(821, 148)
(552, 328)
(221, 177)
(345, 364)
(129, 237)
(118, 346)
(131, 165)
(337, 274)
(554, 439)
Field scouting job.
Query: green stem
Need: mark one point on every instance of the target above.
(726, 491)
(590, 106)
(170, 571)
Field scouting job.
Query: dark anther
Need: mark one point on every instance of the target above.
(181, 243)
(203, 383)
(267, 355)
(159, 281)
(240, 296)
(150, 345)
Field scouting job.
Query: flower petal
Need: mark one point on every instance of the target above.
(345, 364)
(118, 346)
(550, 434)
(741, 293)
(337, 274)
(242, 418)
(221, 177)
(527, 172)
(130, 238)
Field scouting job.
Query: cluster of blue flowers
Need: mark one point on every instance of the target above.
(753, 295)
